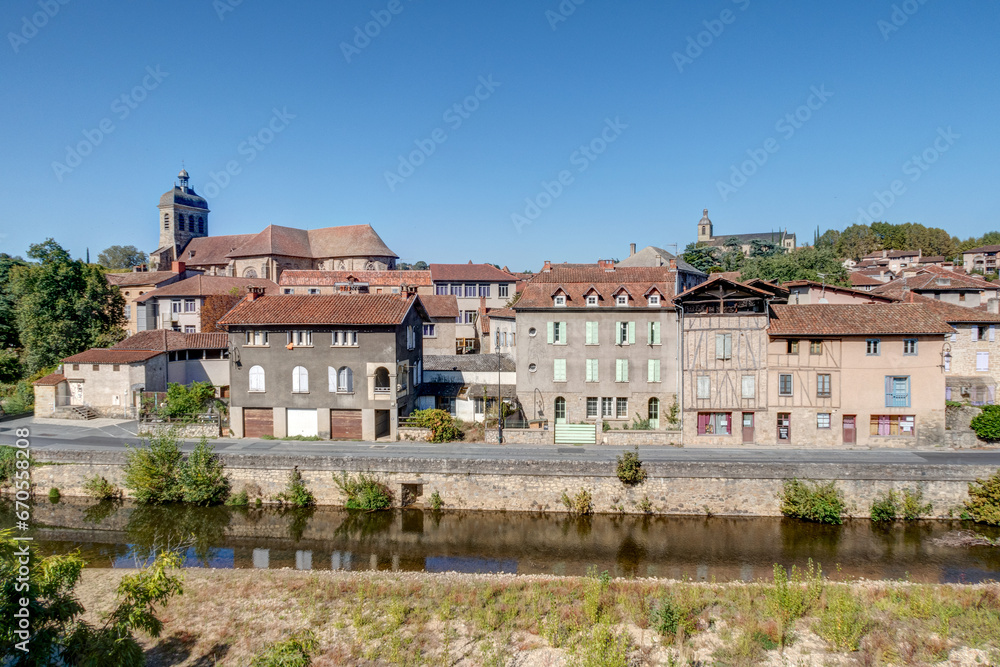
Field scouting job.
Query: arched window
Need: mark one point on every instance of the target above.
(256, 378)
(370, 266)
(249, 273)
(560, 410)
(201, 225)
(381, 380)
(345, 380)
(166, 221)
(300, 380)
(654, 412)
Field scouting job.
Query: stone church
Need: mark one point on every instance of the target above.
(184, 237)
(706, 236)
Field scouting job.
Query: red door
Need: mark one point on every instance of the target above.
(850, 430)
(747, 428)
(784, 427)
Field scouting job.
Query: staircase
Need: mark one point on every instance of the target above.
(83, 412)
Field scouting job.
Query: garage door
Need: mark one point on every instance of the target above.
(302, 422)
(345, 424)
(258, 422)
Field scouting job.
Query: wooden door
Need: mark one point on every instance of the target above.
(747, 428)
(258, 422)
(345, 424)
(850, 430)
(784, 427)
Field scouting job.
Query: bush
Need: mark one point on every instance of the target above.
(639, 424)
(241, 499)
(293, 652)
(202, 476)
(665, 617)
(987, 423)
(54, 495)
(629, 469)
(151, 472)
(914, 506)
(983, 505)
(436, 502)
(364, 492)
(441, 424)
(99, 488)
(885, 507)
(184, 401)
(580, 504)
(8, 465)
(822, 503)
(843, 622)
(644, 505)
(296, 492)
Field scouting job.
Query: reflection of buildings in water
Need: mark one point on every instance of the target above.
(262, 558)
(340, 561)
(373, 562)
(303, 560)
(746, 572)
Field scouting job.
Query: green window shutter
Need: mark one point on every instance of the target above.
(618, 370)
(618, 333)
(597, 365)
(651, 371)
(649, 332)
(562, 333)
(589, 333)
(729, 346)
(551, 332)
(559, 370)
(631, 333)
(590, 375)
(624, 370)
(656, 333)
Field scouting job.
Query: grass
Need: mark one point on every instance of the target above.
(227, 617)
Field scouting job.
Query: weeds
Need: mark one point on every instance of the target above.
(644, 505)
(843, 622)
(581, 504)
(292, 652)
(296, 493)
(436, 502)
(364, 492)
(629, 469)
(983, 505)
(888, 506)
(822, 503)
(99, 488)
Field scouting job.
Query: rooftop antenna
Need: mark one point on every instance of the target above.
(822, 296)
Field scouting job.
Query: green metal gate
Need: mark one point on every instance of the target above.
(576, 434)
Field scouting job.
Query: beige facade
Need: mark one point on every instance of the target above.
(112, 389)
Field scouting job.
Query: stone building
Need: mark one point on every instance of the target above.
(706, 235)
(183, 217)
(466, 385)
(597, 343)
(439, 331)
(360, 282)
(942, 285)
(180, 306)
(342, 367)
(474, 286)
(135, 284)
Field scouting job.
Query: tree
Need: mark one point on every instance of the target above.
(733, 257)
(765, 248)
(700, 256)
(857, 241)
(63, 306)
(8, 329)
(828, 239)
(183, 401)
(417, 266)
(800, 264)
(121, 257)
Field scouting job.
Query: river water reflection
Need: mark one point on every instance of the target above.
(719, 548)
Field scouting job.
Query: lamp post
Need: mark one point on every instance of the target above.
(499, 392)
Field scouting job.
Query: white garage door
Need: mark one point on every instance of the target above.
(302, 422)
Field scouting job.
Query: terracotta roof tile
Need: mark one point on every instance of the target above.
(50, 380)
(827, 319)
(393, 278)
(164, 340)
(951, 312)
(111, 356)
(212, 250)
(343, 241)
(321, 309)
(440, 305)
(133, 278)
(843, 290)
(982, 248)
(931, 279)
(470, 271)
(859, 278)
(502, 313)
(578, 279)
(208, 285)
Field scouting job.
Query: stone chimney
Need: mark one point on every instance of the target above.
(631, 249)
(673, 264)
(548, 267)
(993, 306)
(606, 264)
(177, 267)
(254, 292)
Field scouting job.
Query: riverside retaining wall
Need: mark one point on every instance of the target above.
(725, 489)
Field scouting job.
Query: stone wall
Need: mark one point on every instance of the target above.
(210, 430)
(522, 436)
(733, 489)
(629, 438)
(412, 433)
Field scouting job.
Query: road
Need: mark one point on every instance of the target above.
(115, 436)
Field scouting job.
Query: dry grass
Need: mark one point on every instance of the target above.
(385, 618)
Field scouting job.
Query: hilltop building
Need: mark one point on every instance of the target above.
(706, 235)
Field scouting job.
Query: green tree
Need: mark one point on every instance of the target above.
(828, 239)
(63, 306)
(764, 248)
(801, 264)
(732, 257)
(700, 256)
(857, 241)
(183, 401)
(121, 257)
(8, 328)
(202, 477)
(151, 473)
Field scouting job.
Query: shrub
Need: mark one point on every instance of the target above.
(673, 413)
(843, 622)
(629, 469)
(241, 499)
(293, 652)
(441, 424)
(364, 492)
(436, 502)
(822, 503)
(99, 488)
(983, 505)
(202, 476)
(639, 424)
(885, 507)
(8, 465)
(184, 401)
(665, 617)
(151, 472)
(581, 504)
(914, 506)
(987, 423)
(296, 492)
(54, 495)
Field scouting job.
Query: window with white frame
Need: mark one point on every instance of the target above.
(256, 378)
(622, 408)
(470, 290)
(625, 333)
(653, 333)
(503, 290)
(429, 331)
(468, 317)
(591, 407)
(873, 347)
(300, 380)
(484, 290)
(258, 338)
(592, 300)
(560, 300)
(784, 384)
(441, 290)
(288, 290)
(189, 328)
(607, 407)
(823, 420)
(910, 347)
(557, 333)
(654, 299)
(189, 306)
(621, 300)
(313, 291)
(704, 386)
(300, 338)
(175, 306)
(345, 339)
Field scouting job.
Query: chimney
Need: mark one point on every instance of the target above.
(254, 292)
(177, 267)
(548, 267)
(673, 264)
(631, 249)
(993, 306)
(606, 264)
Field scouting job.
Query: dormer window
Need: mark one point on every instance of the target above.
(592, 300)
(654, 299)
(560, 301)
(621, 300)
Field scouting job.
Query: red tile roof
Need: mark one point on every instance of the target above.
(861, 294)
(470, 271)
(208, 285)
(826, 319)
(135, 278)
(927, 280)
(576, 280)
(164, 340)
(111, 356)
(393, 278)
(503, 313)
(440, 305)
(859, 278)
(343, 241)
(982, 248)
(951, 312)
(321, 309)
(50, 380)
(212, 250)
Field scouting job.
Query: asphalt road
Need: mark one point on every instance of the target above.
(115, 437)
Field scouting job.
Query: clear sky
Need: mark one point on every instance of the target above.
(668, 99)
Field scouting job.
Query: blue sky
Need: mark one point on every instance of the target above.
(666, 98)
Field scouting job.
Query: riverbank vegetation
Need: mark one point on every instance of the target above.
(812, 501)
(385, 618)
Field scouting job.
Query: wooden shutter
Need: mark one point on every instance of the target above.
(992, 332)
(653, 371)
(551, 332)
(618, 333)
(559, 370)
(562, 333)
(975, 332)
(631, 333)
